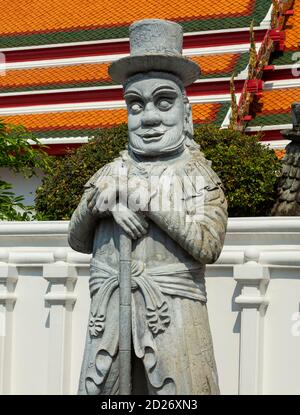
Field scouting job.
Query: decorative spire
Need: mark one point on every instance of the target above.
(275, 13)
(253, 53)
(234, 107)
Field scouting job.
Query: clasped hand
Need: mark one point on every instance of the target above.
(106, 196)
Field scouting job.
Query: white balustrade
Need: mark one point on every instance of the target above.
(254, 279)
(60, 298)
(8, 279)
(253, 303)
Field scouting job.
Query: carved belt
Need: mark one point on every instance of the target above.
(174, 279)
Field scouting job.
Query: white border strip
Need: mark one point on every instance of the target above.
(105, 41)
(259, 128)
(61, 91)
(241, 77)
(218, 50)
(226, 121)
(276, 144)
(98, 105)
(63, 140)
(295, 65)
(102, 88)
(270, 85)
(282, 84)
(266, 23)
(43, 109)
(253, 225)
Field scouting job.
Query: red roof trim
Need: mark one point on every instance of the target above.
(103, 95)
(61, 149)
(269, 135)
(279, 74)
(122, 47)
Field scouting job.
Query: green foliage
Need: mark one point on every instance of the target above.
(248, 171)
(17, 153)
(61, 190)
(11, 206)
(19, 156)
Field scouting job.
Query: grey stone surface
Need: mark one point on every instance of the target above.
(175, 212)
(288, 191)
(155, 45)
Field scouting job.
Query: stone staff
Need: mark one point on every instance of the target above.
(125, 314)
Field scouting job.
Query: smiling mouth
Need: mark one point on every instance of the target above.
(151, 135)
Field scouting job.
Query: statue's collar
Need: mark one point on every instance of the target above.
(129, 156)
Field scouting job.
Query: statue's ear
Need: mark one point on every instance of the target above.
(188, 119)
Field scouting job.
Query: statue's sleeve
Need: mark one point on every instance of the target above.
(200, 225)
(83, 223)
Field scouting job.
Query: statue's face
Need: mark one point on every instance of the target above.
(155, 115)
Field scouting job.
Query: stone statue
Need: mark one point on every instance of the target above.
(288, 190)
(177, 224)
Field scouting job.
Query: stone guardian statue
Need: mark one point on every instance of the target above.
(175, 213)
(288, 188)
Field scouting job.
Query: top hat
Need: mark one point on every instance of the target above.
(155, 45)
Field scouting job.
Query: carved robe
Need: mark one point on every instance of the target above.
(170, 328)
(288, 188)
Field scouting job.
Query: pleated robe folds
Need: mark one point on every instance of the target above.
(170, 327)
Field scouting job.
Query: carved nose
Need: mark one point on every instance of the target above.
(150, 117)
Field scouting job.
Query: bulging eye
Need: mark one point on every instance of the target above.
(164, 104)
(136, 107)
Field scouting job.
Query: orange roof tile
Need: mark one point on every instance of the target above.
(55, 75)
(292, 28)
(203, 113)
(216, 63)
(278, 100)
(280, 154)
(274, 107)
(69, 14)
(69, 120)
(87, 73)
(80, 120)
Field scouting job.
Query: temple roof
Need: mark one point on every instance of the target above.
(292, 39)
(82, 123)
(275, 107)
(85, 74)
(272, 110)
(57, 54)
(38, 22)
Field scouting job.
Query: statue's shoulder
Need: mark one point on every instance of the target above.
(104, 171)
(198, 166)
(199, 177)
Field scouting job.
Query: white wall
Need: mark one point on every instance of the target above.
(21, 186)
(253, 302)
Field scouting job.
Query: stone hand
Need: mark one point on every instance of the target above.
(105, 194)
(132, 223)
(96, 201)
